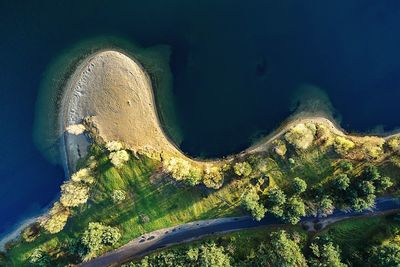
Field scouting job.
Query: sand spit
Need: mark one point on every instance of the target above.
(116, 92)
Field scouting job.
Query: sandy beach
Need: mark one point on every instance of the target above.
(116, 92)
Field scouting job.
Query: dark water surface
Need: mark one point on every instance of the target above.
(236, 66)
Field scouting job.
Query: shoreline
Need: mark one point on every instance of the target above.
(65, 116)
(296, 118)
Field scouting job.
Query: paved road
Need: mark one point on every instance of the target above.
(195, 230)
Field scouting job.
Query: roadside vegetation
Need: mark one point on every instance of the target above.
(364, 242)
(117, 195)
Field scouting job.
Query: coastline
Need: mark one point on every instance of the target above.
(70, 112)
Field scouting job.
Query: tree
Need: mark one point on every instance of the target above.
(39, 257)
(326, 206)
(275, 201)
(366, 188)
(242, 168)
(386, 255)
(324, 254)
(299, 185)
(250, 202)
(83, 175)
(346, 165)
(212, 255)
(118, 158)
(73, 194)
(96, 236)
(181, 169)
(113, 146)
(371, 173)
(301, 136)
(359, 204)
(383, 184)
(281, 251)
(194, 177)
(294, 209)
(56, 218)
(341, 182)
(213, 177)
(342, 145)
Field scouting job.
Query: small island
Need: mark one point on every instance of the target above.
(309, 187)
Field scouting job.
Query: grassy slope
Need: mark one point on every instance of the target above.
(158, 198)
(168, 203)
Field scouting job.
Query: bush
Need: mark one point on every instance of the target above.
(31, 232)
(113, 146)
(279, 147)
(96, 236)
(299, 185)
(250, 202)
(343, 145)
(242, 168)
(181, 169)
(118, 196)
(39, 257)
(118, 158)
(56, 219)
(275, 201)
(73, 194)
(83, 175)
(386, 255)
(301, 136)
(213, 177)
(346, 165)
(294, 209)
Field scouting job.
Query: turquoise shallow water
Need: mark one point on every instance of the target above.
(236, 68)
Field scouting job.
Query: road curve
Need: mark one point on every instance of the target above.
(150, 242)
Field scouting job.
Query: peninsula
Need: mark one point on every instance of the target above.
(127, 178)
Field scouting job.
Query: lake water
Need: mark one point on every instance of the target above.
(237, 66)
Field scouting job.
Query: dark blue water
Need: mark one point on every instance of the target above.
(236, 66)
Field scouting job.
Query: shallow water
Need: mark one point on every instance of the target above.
(236, 68)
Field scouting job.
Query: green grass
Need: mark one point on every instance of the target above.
(159, 198)
(356, 236)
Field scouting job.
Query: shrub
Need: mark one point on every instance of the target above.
(343, 145)
(39, 257)
(73, 194)
(118, 158)
(299, 185)
(96, 236)
(346, 165)
(250, 202)
(31, 232)
(182, 169)
(56, 219)
(113, 146)
(301, 136)
(242, 168)
(279, 147)
(275, 201)
(118, 196)
(393, 143)
(294, 209)
(83, 175)
(326, 206)
(384, 183)
(213, 177)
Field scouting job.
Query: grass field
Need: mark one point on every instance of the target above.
(158, 199)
